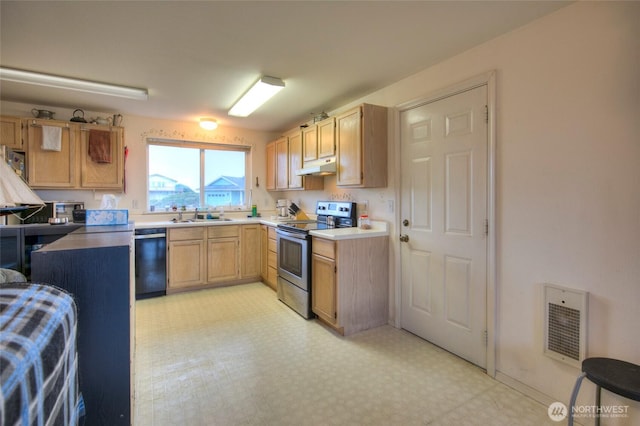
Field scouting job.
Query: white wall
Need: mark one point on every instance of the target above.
(568, 180)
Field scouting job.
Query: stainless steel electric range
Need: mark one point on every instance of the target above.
(294, 252)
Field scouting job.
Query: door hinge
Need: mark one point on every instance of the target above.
(486, 113)
(486, 227)
(335, 269)
(486, 338)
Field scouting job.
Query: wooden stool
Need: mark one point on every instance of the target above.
(619, 377)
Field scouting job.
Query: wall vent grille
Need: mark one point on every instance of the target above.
(565, 324)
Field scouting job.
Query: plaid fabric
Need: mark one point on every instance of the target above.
(38, 358)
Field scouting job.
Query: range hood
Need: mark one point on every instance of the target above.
(324, 166)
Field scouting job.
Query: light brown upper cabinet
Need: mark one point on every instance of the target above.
(104, 174)
(69, 163)
(326, 137)
(287, 159)
(52, 165)
(11, 133)
(361, 141)
(318, 140)
(271, 166)
(295, 159)
(310, 143)
(282, 163)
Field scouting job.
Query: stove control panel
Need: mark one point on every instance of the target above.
(337, 209)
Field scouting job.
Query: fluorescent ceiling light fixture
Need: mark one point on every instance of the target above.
(208, 123)
(57, 82)
(259, 93)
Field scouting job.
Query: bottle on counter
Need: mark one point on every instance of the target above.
(254, 210)
(364, 222)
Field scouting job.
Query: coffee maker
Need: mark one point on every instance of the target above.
(282, 208)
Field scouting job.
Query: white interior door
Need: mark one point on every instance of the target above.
(443, 215)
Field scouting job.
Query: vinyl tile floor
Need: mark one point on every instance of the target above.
(238, 356)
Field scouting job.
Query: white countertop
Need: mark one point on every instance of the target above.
(171, 224)
(378, 228)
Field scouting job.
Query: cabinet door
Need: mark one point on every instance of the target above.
(349, 146)
(11, 132)
(222, 259)
(323, 288)
(326, 138)
(102, 175)
(295, 160)
(310, 143)
(250, 251)
(11, 251)
(282, 163)
(272, 258)
(186, 263)
(52, 168)
(264, 252)
(271, 166)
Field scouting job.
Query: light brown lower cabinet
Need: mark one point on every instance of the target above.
(269, 256)
(187, 259)
(250, 251)
(350, 283)
(223, 253)
(209, 256)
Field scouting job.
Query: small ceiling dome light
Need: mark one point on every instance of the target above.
(208, 123)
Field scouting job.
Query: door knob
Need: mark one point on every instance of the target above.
(404, 238)
(405, 222)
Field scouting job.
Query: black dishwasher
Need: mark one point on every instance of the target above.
(151, 262)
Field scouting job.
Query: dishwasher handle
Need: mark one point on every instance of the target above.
(149, 236)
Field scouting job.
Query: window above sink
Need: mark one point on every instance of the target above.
(185, 176)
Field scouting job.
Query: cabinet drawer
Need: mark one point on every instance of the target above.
(272, 245)
(272, 259)
(272, 275)
(223, 231)
(181, 234)
(322, 247)
(272, 233)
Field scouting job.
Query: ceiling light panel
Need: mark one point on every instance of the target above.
(57, 82)
(259, 93)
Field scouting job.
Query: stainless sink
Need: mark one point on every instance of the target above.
(175, 220)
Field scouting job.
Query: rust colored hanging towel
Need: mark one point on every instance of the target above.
(100, 146)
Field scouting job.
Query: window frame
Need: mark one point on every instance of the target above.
(203, 146)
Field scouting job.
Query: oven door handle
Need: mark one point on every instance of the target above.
(295, 235)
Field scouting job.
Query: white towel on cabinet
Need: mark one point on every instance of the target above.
(51, 138)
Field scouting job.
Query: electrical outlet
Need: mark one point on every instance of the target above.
(390, 206)
(365, 205)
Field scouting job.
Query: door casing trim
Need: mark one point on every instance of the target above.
(489, 79)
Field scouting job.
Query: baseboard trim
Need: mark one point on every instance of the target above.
(524, 389)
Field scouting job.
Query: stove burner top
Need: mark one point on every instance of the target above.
(303, 226)
(342, 213)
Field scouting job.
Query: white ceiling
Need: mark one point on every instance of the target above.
(197, 58)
